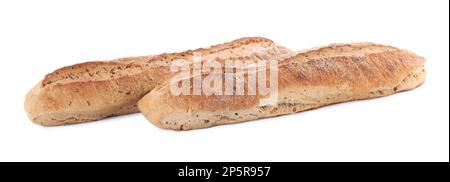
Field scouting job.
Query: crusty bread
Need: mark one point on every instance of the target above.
(308, 80)
(95, 90)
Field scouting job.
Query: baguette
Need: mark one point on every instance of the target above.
(308, 80)
(99, 89)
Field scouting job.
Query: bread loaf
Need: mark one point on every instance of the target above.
(308, 80)
(95, 90)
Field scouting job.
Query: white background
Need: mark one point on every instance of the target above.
(37, 37)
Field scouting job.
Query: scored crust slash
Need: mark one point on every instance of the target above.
(305, 80)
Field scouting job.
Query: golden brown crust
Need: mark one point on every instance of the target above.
(93, 69)
(94, 90)
(309, 80)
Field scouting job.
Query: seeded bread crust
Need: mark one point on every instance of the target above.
(99, 89)
(308, 80)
